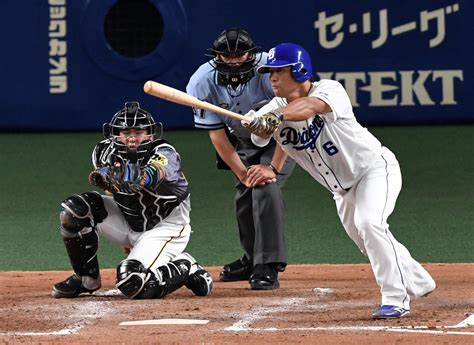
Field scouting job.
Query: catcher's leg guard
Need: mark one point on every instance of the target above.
(81, 211)
(136, 281)
(79, 215)
(199, 281)
(82, 253)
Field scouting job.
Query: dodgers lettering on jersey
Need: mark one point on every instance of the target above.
(251, 96)
(148, 207)
(332, 147)
(305, 139)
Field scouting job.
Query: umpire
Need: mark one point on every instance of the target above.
(229, 80)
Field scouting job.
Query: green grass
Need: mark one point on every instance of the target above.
(433, 216)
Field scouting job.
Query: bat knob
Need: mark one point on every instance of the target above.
(147, 86)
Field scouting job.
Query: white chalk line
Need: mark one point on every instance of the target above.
(292, 304)
(428, 330)
(86, 312)
(260, 312)
(285, 305)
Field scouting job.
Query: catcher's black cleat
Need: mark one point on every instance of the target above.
(264, 277)
(200, 282)
(70, 288)
(240, 269)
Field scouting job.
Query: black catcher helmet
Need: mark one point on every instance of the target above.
(132, 117)
(233, 42)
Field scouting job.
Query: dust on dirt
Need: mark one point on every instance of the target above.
(314, 304)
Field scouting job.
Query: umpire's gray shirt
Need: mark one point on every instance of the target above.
(251, 96)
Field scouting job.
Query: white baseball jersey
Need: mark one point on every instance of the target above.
(365, 180)
(333, 147)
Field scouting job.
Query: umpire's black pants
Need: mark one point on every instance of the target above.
(260, 211)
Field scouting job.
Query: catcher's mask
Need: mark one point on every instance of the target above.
(289, 54)
(233, 42)
(132, 117)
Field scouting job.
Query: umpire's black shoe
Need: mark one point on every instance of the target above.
(71, 287)
(264, 277)
(240, 269)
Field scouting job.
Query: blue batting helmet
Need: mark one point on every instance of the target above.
(289, 54)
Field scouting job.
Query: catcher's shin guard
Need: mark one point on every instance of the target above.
(79, 215)
(82, 251)
(136, 281)
(199, 281)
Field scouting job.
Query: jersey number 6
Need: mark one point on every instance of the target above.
(330, 148)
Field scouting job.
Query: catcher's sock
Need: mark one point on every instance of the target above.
(90, 283)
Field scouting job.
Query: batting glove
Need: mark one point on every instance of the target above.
(254, 124)
(265, 125)
(271, 120)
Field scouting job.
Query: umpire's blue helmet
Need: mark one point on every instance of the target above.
(289, 54)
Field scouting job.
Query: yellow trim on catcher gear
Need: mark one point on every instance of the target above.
(161, 250)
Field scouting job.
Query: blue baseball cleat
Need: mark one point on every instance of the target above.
(389, 312)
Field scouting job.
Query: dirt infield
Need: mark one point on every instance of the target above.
(315, 304)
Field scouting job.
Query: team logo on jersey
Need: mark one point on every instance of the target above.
(159, 159)
(302, 140)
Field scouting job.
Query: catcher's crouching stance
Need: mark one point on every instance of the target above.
(148, 212)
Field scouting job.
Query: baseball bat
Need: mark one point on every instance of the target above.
(176, 96)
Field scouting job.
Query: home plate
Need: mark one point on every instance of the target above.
(165, 322)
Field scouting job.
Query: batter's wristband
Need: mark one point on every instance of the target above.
(274, 169)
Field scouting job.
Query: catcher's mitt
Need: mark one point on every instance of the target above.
(102, 178)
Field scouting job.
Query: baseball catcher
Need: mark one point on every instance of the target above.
(147, 210)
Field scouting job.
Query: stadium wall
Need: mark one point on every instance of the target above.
(69, 65)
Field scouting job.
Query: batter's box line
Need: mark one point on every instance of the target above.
(289, 305)
(292, 304)
(401, 329)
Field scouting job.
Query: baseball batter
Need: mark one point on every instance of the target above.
(314, 123)
(147, 212)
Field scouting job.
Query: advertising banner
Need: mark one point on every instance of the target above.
(70, 65)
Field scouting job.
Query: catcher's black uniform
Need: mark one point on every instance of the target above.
(147, 207)
(148, 214)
